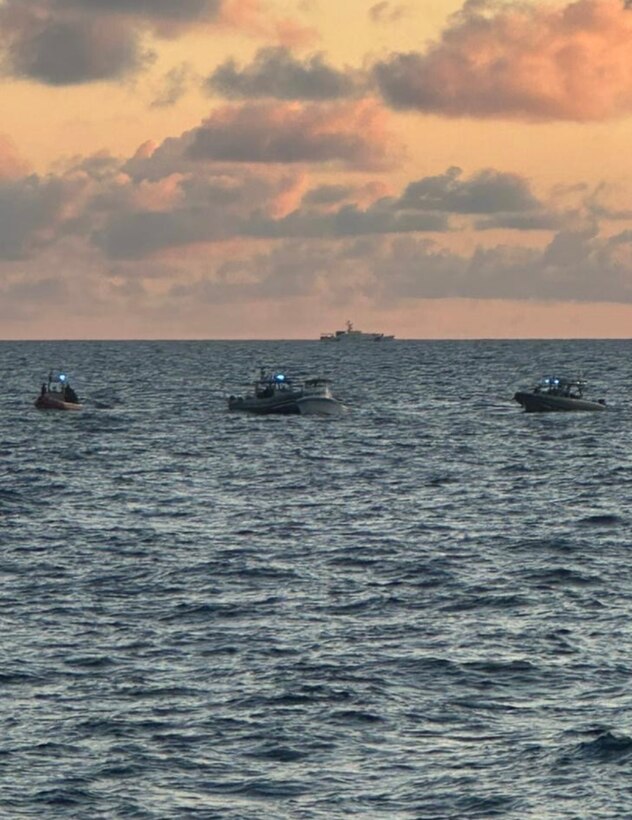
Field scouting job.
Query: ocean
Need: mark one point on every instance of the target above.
(417, 610)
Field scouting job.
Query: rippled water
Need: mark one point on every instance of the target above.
(419, 610)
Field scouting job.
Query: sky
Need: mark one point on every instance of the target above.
(268, 169)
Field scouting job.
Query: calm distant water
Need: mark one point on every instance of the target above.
(419, 610)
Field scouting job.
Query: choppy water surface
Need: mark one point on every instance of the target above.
(420, 610)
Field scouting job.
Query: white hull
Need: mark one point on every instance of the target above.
(320, 406)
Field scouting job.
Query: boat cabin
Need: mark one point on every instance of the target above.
(553, 386)
(58, 387)
(269, 384)
(318, 387)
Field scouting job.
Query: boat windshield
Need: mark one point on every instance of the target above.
(554, 386)
(269, 383)
(57, 381)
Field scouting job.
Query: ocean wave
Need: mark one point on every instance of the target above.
(607, 746)
(398, 615)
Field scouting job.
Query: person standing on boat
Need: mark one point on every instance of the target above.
(70, 395)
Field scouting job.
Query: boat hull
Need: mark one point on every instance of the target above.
(265, 407)
(51, 403)
(320, 406)
(301, 405)
(365, 337)
(545, 403)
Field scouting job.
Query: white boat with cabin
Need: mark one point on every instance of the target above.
(276, 394)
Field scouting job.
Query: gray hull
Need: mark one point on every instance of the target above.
(547, 403)
(286, 405)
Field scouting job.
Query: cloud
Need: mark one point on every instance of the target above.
(12, 165)
(158, 12)
(276, 73)
(140, 218)
(425, 205)
(349, 220)
(175, 85)
(266, 275)
(608, 202)
(385, 12)
(392, 271)
(486, 191)
(353, 135)
(33, 211)
(522, 61)
(212, 238)
(161, 201)
(502, 200)
(327, 194)
(69, 42)
(67, 52)
(537, 221)
(574, 266)
(252, 229)
(135, 235)
(252, 17)
(146, 217)
(41, 291)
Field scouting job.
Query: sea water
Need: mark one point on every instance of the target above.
(418, 610)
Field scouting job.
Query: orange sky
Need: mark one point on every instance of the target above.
(270, 168)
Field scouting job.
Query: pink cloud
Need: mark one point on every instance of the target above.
(252, 17)
(535, 62)
(12, 165)
(355, 135)
(288, 198)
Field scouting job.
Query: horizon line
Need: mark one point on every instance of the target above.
(317, 341)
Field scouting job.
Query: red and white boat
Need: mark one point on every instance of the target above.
(57, 394)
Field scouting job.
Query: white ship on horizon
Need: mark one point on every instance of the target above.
(350, 334)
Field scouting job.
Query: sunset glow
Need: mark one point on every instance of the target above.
(268, 169)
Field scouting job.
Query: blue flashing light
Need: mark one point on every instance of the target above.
(280, 377)
(62, 377)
